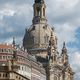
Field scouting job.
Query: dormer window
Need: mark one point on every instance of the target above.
(38, 11)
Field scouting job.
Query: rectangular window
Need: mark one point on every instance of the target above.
(4, 57)
(0, 57)
(0, 75)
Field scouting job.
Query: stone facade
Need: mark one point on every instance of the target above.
(6, 74)
(40, 40)
(17, 64)
(39, 58)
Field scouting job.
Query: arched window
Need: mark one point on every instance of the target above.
(38, 11)
(55, 78)
(43, 12)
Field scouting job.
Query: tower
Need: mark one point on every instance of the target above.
(67, 70)
(64, 56)
(37, 36)
(40, 41)
(13, 43)
(52, 50)
(39, 12)
(53, 69)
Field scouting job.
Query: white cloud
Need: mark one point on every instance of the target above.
(24, 10)
(76, 61)
(65, 32)
(61, 7)
(67, 3)
(6, 10)
(10, 40)
(9, 29)
(64, 14)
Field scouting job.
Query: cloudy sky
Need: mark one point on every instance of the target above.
(64, 15)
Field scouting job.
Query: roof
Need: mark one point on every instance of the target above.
(22, 53)
(9, 46)
(6, 46)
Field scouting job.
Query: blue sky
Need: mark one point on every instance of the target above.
(64, 15)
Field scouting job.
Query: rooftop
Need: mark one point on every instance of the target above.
(6, 46)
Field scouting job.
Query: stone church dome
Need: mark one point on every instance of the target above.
(38, 36)
(41, 42)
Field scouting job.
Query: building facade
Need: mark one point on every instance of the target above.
(39, 58)
(17, 64)
(40, 40)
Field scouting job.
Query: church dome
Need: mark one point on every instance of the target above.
(39, 33)
(38, 36)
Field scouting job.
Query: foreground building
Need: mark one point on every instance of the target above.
(39, 58)
(17, 64)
